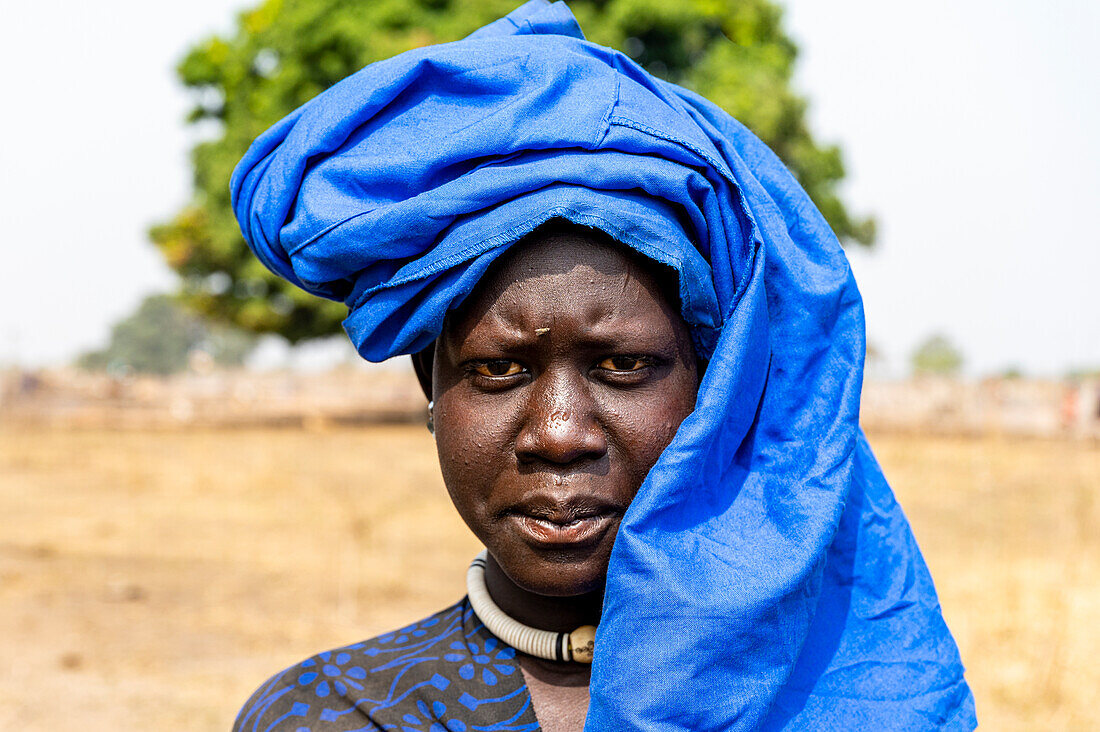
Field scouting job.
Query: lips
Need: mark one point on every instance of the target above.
(574, 522)
(548, 533)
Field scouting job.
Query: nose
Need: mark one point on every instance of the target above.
(560, 423)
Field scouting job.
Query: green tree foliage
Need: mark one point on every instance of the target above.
(287, 51)
(160, 336)
(937, 356)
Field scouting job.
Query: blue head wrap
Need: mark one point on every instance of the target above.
(764, 577)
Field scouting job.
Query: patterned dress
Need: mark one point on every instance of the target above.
(446, 673)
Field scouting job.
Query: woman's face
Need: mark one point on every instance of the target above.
(556, 387)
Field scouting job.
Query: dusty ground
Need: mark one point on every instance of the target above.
(149, 581)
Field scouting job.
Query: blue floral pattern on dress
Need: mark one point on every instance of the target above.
(327, 667)
(446, 673)
(471, 656)
(432, 720)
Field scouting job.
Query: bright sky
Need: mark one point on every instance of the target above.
(969, 128)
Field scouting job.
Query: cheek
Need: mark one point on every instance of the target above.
(644, 429)
(473, 450)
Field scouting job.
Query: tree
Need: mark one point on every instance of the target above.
(936, 356)
(285, 52)
(160, 336)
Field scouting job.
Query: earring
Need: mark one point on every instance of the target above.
(431, 417)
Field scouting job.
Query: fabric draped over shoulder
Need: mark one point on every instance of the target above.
(764, 577)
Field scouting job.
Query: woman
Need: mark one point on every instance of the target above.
(714, 510)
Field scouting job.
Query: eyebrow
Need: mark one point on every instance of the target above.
(605, 335)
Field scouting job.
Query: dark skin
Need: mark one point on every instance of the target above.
(557, 385)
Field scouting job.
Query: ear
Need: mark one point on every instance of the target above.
(422, 364)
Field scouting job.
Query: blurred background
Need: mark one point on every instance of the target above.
(201, 483)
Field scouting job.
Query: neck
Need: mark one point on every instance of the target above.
(556, 614)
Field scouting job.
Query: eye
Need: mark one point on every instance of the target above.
(500, 367)
(623, 363)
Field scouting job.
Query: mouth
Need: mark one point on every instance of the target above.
(576, 533)
(574, 523)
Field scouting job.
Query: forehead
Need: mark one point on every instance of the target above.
(564, 272)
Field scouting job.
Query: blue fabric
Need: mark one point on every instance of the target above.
(764, 577)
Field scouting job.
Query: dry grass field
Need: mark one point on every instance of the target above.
(150, 580)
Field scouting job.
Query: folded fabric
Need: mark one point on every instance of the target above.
(764, 577)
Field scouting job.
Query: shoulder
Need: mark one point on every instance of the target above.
(338, 689)
(425, 676)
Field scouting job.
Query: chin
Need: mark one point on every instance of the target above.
(559, 573)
